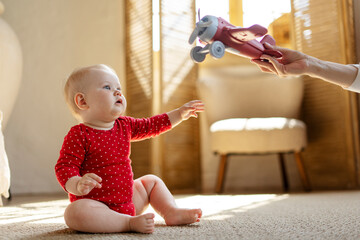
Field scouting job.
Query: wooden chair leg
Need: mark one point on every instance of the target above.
(303, 175)
(10, 196)
(283, 172)
(221, 173)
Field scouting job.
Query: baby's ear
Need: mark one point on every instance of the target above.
(80, 101)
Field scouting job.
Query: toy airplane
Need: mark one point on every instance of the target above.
(219, 35)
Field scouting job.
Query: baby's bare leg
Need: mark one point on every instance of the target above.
(88, 215)
(151, 189)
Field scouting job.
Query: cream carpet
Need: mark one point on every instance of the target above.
(314, 215)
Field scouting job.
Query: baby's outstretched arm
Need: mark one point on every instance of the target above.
(185, 112)
(83, 185)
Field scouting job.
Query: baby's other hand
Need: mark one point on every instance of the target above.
(191, 108)
(88, 182)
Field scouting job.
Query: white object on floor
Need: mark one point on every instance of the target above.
(11, 63)
(4, 167)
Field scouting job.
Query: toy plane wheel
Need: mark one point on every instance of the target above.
(217, 49)
(196, 56)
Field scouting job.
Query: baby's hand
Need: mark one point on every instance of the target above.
(189, 109)
(88, 182)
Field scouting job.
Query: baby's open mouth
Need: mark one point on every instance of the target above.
(119, 101)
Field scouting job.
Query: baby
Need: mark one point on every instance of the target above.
(94, 165)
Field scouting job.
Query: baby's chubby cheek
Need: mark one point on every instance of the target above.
(124, 103)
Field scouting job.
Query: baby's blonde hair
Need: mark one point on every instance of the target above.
(76, 83)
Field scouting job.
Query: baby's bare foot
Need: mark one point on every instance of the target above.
(142, 223)
(181, 216)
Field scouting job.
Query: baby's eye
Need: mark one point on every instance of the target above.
(107, 87)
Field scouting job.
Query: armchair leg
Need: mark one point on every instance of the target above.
(303, 176)
(283, 172)
(221, 173)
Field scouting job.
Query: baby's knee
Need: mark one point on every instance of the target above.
(72, 214)
(150, 181)
(150, 178)
(77, 211)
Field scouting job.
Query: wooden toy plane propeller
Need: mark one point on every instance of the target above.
(219, 35)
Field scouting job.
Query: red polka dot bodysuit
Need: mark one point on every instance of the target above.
(106, 153)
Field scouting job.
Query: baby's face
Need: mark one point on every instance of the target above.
(104, 96)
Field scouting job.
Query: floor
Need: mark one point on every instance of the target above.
(314, 215)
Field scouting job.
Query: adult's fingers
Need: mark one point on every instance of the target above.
(264, 66)
(277, 67)
(268, 46)
(273, 47)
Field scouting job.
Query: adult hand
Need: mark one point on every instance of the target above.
(291, 63)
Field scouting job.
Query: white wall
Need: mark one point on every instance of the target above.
(56, 36)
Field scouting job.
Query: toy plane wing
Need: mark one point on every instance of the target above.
(247, 34)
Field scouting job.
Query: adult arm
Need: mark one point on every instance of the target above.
(297, 63)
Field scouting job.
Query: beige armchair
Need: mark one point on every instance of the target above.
(251, 113)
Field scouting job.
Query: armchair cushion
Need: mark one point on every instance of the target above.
(258, 135)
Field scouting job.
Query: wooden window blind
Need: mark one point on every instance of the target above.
(181, 153)
(139, 75)
(324, 29)
(160, 82)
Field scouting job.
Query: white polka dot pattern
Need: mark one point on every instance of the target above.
(106, 153)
